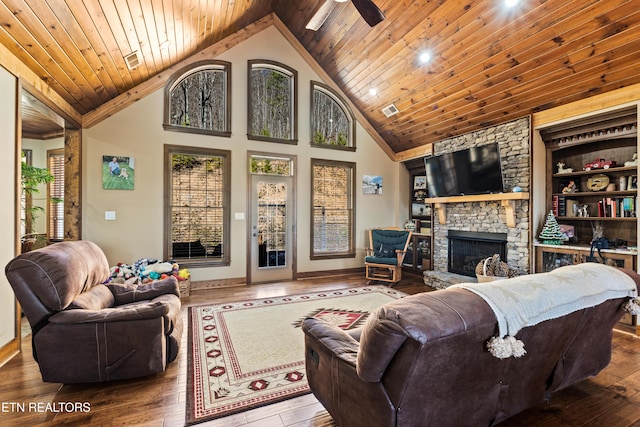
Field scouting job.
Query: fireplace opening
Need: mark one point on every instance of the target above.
(467, 248)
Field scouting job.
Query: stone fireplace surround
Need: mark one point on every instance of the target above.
(513, 139)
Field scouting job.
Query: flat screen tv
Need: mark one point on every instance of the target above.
(475, 170)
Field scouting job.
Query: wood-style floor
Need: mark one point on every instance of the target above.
(610, 399)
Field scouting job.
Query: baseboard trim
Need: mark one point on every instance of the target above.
(215, 284)
(9, 350)
(331, 273)
(201, 285)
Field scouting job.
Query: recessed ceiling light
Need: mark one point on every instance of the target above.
(511, 3)
(373, 91)
(164, 44)
(341, 1)
(424, 57)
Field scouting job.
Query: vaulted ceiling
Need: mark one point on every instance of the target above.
(489, 63)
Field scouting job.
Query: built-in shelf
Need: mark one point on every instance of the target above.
(506, 199)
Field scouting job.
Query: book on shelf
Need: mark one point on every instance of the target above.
(607, 207)
(425, 227)
(617, 207)
(571, 207)
(559, 205)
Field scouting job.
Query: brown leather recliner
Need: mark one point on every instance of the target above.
(423, 361)
(86, 331)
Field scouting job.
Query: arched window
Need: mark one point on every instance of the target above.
(272, 102)
(197, 99)
(332, 123)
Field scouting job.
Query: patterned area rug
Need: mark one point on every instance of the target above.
(251, 353)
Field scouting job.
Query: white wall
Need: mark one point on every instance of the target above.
(8, 85)
(137, 131)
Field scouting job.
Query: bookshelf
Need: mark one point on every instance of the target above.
(419, 252)
(592, 183)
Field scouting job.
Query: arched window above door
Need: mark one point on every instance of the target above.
(272, 114)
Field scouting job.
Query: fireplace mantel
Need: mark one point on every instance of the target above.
(506, 199)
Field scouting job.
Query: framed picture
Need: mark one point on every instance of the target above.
(632, 182)
(419, 195)
(118, 172)
(371, 184)
(419, 182)
(419, 209)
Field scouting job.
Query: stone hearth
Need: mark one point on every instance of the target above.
(443, 279)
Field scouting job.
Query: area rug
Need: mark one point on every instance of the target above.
(251, 353)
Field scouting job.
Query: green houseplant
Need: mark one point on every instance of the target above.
(30, 179)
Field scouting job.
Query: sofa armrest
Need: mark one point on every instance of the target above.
(135, 311)
(174, 306)
(126, 294)
(334, 339)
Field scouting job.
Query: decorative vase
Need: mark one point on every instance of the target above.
(622, 183)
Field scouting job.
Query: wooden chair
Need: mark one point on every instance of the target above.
(384, 257)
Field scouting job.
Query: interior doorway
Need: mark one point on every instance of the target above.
(272, 215)
(42, 143)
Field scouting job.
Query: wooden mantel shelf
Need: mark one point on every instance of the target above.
(506, 199)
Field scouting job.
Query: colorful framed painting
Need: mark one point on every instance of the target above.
(118, 172)
(371, 184)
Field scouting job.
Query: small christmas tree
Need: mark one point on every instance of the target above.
(551, 234)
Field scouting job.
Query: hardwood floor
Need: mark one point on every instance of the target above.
(612, 398)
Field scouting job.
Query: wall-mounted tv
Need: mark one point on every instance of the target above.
(475, 170)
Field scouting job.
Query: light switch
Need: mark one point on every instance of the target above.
(110, 215)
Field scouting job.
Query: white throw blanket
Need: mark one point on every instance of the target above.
(528, 300)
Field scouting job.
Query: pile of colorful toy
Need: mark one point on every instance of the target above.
(147, 270)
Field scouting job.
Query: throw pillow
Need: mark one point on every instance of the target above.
(126, 294)
(385, 251)
(96, 298)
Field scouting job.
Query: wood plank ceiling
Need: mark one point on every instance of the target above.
(490, 64)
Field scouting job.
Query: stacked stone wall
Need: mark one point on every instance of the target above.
(513, 139)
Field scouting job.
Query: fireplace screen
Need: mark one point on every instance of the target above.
(467, 248)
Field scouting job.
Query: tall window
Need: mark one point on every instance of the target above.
(55, 195)
(272, 102)
(197, 205)
(333, 209)
(197, 99)
(332, 124)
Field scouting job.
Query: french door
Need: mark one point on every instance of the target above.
(271, 221)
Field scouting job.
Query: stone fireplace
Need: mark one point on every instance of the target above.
(489, 216)
(467, 248)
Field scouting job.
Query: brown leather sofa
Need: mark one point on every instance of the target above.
(86, 331)
(423, 361)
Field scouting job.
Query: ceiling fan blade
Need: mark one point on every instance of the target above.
(369, 11)
(321, 15)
